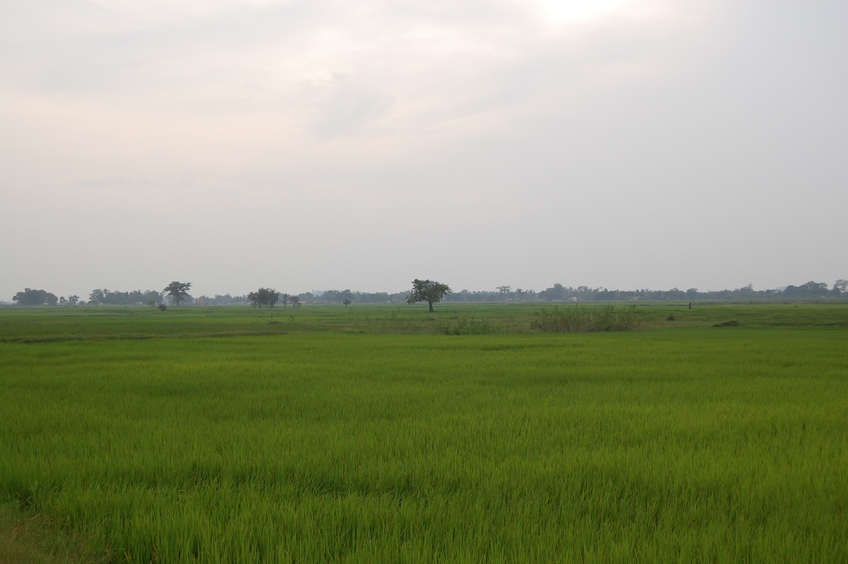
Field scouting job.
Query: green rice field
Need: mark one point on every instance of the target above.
(390, 434)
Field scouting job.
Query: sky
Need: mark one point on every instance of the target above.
(328, 144)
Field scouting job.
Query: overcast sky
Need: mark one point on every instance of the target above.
(310, 145)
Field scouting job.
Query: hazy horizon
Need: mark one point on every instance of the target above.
(84, 297)
(324, 145)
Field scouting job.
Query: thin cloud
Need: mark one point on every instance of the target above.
(512, 132)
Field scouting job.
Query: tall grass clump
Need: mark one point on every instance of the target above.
(586, 320)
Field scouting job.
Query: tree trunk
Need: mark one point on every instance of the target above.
(431, 307)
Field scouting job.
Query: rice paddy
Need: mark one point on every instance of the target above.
(379, 434)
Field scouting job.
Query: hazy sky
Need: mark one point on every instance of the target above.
(309, 145)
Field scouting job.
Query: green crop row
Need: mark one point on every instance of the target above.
(46, 324)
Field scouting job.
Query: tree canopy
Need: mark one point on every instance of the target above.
(108, 297)
(177, 291)
(263, 297)
(428, 291)
(35, 297)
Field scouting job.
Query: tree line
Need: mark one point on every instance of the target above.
(177, 293)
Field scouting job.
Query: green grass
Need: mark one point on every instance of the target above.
(45, 324)
(345, 436)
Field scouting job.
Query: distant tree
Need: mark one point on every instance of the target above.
(134, 297)
(428, 291)
(675, 294)
(148, 295)
(809, 290)
(840, 287)
(504, 289)
(524, 295)
(73, 300)
(263, 297)
(151, 303)
(331, 296)
(32, 297)
(177, 291)
(97, 297)
(347, 302)
(745, 292)
(226, 299)
(555, 293)
(294, 301)
(285, 298)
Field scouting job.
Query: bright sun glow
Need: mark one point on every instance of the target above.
(578, 11)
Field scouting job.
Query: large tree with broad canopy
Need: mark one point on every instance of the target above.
(428, 291)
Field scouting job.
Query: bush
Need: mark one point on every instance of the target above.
(587, 320)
